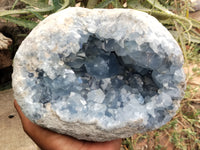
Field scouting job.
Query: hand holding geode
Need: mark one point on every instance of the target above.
(99, 74)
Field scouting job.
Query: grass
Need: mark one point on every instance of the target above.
(183, 131)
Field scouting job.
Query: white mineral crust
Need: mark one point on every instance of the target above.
(99, 74)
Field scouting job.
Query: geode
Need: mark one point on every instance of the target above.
(99, 74)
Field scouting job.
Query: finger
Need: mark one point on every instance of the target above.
(17, 107)
(21, 114)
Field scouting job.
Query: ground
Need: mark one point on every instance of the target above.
(12, 135)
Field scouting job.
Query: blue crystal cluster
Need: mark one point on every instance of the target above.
(95, 79)
(99, 77)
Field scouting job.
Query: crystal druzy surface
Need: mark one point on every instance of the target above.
(99, 74)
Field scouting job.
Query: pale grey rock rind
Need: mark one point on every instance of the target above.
(41, 74)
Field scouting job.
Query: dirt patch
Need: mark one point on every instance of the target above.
(5, 59)
(150, 141)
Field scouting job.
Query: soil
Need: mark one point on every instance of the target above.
(5, 59)
(12, 135)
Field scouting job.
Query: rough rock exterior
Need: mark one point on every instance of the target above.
(99, 74)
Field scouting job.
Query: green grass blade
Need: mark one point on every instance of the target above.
(13, 6)
(21, 22)
(167, 21)
(104, 3)
(25, 11)
(57, 5)
(116, 4)
(92, 3)
(11, 12)
(136, 4)
(40, 17)
(72, 3)
(65, 4)
(156, 4)
(37, 3)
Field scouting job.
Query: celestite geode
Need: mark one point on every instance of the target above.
(99, 74)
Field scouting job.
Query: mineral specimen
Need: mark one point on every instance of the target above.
(99, 74)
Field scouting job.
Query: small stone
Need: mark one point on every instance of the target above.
(5, 42)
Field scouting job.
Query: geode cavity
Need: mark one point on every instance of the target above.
(99, 74)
